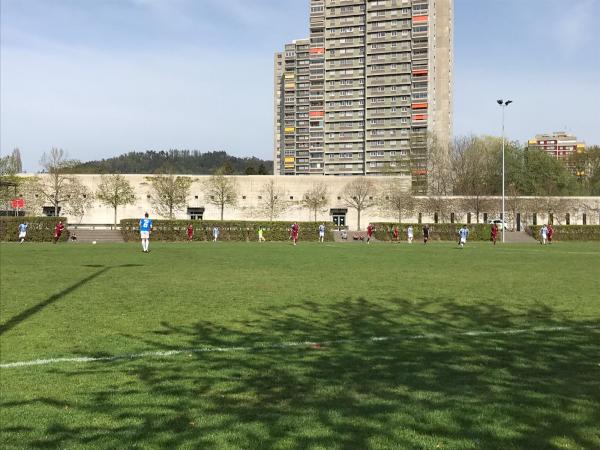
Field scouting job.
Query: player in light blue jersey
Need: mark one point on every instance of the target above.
(23, 232)
(464, 234)
(215, 233)
(322, 232)
(145, 229)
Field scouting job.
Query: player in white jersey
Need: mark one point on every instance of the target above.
(464, 234)
(410, 233)
(215, 233)
(23, 232)
(322, 232)
(543, 235)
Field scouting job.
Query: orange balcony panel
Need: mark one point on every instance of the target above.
(420, 72)
(316, 114)
(317, 51)
(419, 106)
(420, 19)
(419, 116)
(419, 172)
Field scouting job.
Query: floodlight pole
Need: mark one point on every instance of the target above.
(503, 104)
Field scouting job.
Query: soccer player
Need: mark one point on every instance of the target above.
(550, 233)
(216, 233)
(58, 229)
(410, 233)
(464, 234)
(543, 234)
(145, 229)
(190, 232)
(261, 237)
(370, 230)
(322, 233)
(294, 232)
(494, 233)
(425, 234)
(23, 232)
(395, 234)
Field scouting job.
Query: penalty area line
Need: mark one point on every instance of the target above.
(158, 354)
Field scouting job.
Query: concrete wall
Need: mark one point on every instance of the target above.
(250, 188)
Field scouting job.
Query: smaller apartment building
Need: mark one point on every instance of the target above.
(559, 145)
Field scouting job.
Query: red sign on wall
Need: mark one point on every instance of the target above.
(18, 203)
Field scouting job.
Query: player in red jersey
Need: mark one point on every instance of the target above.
(294, 232)
(190, 232)
(494, 233)
(370, 230)
(395, 234)
(58, 229)
(550, 233)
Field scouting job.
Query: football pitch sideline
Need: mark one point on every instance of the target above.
(247, 345)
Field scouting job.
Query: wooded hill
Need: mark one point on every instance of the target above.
(185, 162)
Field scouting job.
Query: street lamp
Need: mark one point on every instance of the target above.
(503, 104)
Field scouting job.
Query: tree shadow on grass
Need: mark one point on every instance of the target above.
(427, 383)
(26, 314)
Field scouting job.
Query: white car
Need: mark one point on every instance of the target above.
(499, 223)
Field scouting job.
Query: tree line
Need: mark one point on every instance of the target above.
(184, 162)
(472, 165)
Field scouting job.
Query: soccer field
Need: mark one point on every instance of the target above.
(247, 345)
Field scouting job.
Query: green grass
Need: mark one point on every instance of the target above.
(536, 389)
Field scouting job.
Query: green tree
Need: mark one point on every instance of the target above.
(115, 191)
(169, 193)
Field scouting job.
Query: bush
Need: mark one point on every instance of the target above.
(41, 229)
(437, 231)
(176, 230)
(568, 232)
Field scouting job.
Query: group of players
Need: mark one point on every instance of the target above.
(145, 225)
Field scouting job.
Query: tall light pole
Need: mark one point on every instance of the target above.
(503, 104)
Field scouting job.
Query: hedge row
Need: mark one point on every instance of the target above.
(176, 230)
(437, 232)
(569, 232)
(41, 229)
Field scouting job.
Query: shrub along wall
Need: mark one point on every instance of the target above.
(176, 230)
(41, 229)
(569, 232)
(437, 231)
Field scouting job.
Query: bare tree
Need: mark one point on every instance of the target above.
(554, 206)
(16, 160)
(441, 205)
(315, 199)
(272, 203)
(439, 168)
(359, 194)
(56, 186)
(115, 191)
(471, 162)
(221, 191)
(169, 193)
(397, 200)
(79, 200)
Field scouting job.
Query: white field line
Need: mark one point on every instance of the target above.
(281, 345)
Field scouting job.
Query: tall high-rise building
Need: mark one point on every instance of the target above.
(368, 89)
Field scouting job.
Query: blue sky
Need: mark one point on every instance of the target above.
(100, 78)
